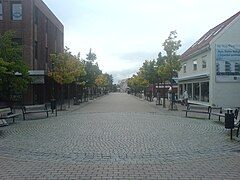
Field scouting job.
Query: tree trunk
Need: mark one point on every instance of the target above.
(68, 96)
(164, 98)
(61, 99)
(171, 96)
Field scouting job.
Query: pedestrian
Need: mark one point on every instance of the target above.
(185, 98)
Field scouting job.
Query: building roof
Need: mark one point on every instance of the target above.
(206, 38)
(49, 14)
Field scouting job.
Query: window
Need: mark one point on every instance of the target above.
(36, 14)
(184, 68)
(16, 11)
(46, 26)
(17, 41)
(196, 91)
(205, 91)
(1, 11)
(36, 50)
(180, 90)
(46, 54)
(189, 90)
(204, 62)
(195, 65)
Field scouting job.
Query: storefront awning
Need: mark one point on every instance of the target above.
(199, 76)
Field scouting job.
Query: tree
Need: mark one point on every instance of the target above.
(92, 71)
(137, 83)
(172, 64)
(14, 76)
(148, 71)
(66, 69)
(91, 56)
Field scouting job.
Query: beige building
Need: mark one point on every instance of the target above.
(211, 66)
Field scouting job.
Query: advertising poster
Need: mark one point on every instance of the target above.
(228, 63)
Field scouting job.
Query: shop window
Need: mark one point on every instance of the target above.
(189, 90)
(205, 91)
(184, 68)
(16, 10)
(180, 90)
(1, 11)
(195, 65)
(196, 91)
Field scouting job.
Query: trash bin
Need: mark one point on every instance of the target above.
(229, 120)
(53, 104)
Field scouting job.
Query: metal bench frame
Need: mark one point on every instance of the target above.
(33, 109)
(198, 109)
(7, 113)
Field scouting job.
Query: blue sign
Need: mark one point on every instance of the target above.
(228, 63)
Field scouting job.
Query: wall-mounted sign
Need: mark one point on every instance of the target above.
(228, 63)
(17, 12)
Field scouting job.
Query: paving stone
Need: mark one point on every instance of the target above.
(118, 136)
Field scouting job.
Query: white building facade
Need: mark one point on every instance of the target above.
(211, 66)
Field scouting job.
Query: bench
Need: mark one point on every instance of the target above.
(222, 114)
(193, 108)
(217, 111)
(33, 109)
(7, 113)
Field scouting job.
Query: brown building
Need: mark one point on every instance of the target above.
(40, 33)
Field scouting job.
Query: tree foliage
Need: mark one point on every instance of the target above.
(137, 83)
(101, 81)
(66, 68)
(14, 76)
(148, 71)
(170, 64)
(91, 56)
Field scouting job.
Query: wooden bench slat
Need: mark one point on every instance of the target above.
(7, 113)
(34, 109)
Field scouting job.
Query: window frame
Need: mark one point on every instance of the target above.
(204, 62)
(195, 64)
(185, 68)
(15, 3)
(1, 8)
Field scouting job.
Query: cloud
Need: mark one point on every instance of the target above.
(125, 33)
(124, 74)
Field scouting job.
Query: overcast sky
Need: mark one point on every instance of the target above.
(125, 33)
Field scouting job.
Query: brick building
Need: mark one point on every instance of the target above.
(40, 33)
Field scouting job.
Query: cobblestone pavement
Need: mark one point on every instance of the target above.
(118, 136)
